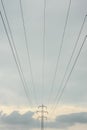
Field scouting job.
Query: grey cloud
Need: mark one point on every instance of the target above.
(71, 119)
(26, 119)
(15, 118)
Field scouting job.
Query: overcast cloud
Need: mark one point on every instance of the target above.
(11, 89)
(26, 120)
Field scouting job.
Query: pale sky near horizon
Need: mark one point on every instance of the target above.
(16, 112)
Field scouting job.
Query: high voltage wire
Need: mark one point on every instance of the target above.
(76, 43)
(66, 82)
(18, 60)
(43, 64)
(58, 58)
(27, 47)
(18, 66)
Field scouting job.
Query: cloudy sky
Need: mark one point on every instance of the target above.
(17, 111)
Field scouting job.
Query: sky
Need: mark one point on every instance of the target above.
(16, 110)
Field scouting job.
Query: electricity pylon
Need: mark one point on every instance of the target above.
(42, 111)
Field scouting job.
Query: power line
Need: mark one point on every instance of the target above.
(18, 66)
(58, 58)
(43, 64)
(27, 47)
(13, 43)
(66, 82)
(76, 43)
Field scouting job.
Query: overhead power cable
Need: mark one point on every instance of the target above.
(27, 48)
(66, 82)
(17, 64)
(43, 64)
(13, 43)
(58, 58)
(76, 43)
